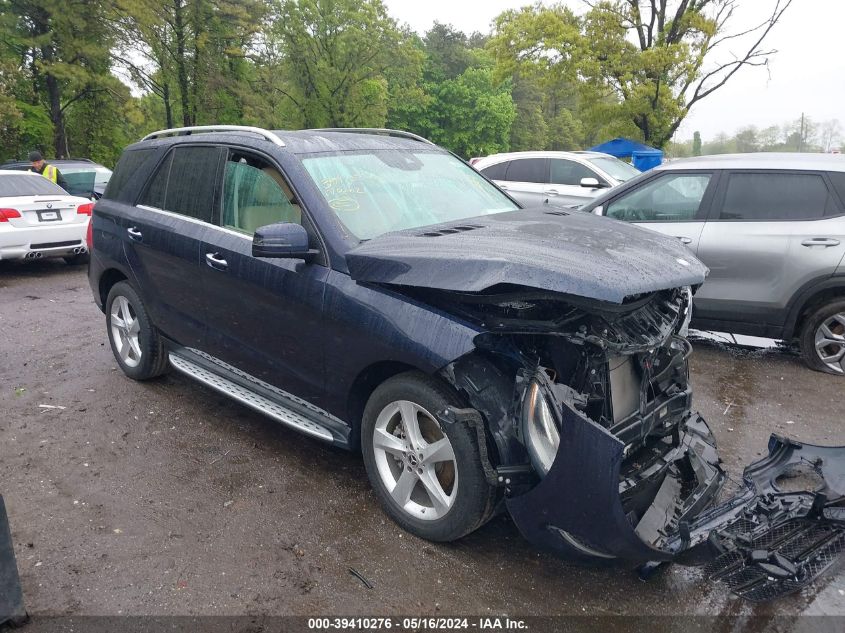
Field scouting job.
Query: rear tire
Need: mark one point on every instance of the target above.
(76, 260)
(823, 334)
(135, 341)
(404, 470)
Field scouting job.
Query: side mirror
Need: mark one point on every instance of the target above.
(283, 240)
(592, 183)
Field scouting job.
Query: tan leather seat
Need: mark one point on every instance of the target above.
(269, 204)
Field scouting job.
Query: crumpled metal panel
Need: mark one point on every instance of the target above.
(11, 597)
(580, 493)
(576, 254)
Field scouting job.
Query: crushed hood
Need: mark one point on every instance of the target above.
(542, 247)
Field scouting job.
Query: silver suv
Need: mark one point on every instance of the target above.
(562, 178)
(771, 227)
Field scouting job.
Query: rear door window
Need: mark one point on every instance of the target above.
(568, 172)
(668, 198)
(776, 196)
(527, 170)
(184, 183)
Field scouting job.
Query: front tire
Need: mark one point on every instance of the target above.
(822, 338)
(429, 478)
(134, 340)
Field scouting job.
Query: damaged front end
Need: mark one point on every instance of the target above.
(587, 411)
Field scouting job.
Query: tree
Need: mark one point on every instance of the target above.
(831, 135)
(194, 55)
(746, 140)
(770, 138)
(61, 48)
(338, 54)
(540, 49)
(658, 58)
(696, 144)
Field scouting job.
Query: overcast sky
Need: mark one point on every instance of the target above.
(807, 74)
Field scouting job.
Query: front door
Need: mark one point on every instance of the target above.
(674, 203)
(564, 186)
(264, 315)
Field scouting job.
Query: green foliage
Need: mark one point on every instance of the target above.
(696, 144)
(87, 77)
(471, 115)
(337, 54)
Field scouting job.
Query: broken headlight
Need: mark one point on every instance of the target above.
(540, 430)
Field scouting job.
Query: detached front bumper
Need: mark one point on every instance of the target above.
(579, 503)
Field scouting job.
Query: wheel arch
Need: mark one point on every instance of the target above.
(367, 380)
(107, 281)
(808, 299)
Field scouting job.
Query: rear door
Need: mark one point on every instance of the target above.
(523, 178)
(162, 236)
(673, 203)
(564, 187)
(264, 315)
(769, 233)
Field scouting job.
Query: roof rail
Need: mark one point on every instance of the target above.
(209, 129)
(375, 130)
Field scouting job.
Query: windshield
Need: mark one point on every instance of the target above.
(27, 185)
(615, 168)
(389, 190)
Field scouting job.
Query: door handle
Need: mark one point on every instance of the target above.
(215, 261)
(820, 241)
(505, 187)
(684, 240)
(553, 192)
(135, 234)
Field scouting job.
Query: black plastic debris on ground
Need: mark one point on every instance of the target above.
(11, 597)
(783, 559)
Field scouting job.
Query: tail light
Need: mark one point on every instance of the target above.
(8, 214)
(89, 234)
(85, 209)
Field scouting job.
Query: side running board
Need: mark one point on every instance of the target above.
(262, 397)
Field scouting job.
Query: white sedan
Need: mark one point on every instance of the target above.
(40, 219)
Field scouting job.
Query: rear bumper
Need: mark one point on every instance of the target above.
(42, 241)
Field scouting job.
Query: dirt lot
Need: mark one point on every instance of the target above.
(165, 498)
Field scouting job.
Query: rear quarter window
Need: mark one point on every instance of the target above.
(125, 173)
(838, 180)
(497, 171)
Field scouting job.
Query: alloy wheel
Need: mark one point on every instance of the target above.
(830, 342)
(415, 460)
(125, 328)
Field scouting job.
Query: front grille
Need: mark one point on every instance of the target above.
(56, 244)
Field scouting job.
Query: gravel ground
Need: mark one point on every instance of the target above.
(164, 498)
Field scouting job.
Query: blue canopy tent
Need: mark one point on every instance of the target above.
(642, 156)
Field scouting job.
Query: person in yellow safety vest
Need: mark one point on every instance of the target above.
(40, 166)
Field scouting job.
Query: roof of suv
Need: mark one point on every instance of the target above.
(544, 154)
(307, 141)
(760, 160)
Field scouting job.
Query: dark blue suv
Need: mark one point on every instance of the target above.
(372, 290)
